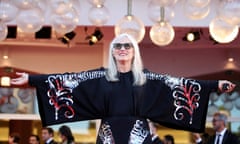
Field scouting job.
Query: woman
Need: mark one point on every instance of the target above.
(123, 96)
(65, 134)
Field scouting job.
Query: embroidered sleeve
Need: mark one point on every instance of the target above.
(55, 94)
(188, 99)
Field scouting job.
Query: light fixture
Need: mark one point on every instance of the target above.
(98, 15)
(96, 36)
(67, 37)
(5, 54)
(162, 32)
(66, 22)
(196, 9)
(131, 25)
(192, 36)
(12, 32)
(5, 81)
(222, 31)
(154, 9)
(8, 10)
(30, 20)
(230, 59)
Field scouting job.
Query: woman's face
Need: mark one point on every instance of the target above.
(123, 50)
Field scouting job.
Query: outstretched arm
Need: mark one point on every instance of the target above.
(21, 79)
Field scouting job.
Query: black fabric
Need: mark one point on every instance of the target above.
(157, 140)
(228, 138)
(177, 103)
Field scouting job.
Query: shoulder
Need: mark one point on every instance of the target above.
(231, 136)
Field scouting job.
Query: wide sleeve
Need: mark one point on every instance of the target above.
(69, 97)
(178, 103)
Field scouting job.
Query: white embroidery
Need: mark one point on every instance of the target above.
(138, 133)
(171, 82)
(105, 134)
(61, 87)
(186, 94)
(186, 99)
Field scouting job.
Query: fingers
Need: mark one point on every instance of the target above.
(226, 86)
(21, 79)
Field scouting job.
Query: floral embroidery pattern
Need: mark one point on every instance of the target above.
(185, 93)
(61, 87)
(186, 98)
(138, 133)
(105, 134)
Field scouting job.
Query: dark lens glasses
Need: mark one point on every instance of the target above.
(118, 46)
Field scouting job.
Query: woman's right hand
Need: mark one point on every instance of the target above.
(21, 79)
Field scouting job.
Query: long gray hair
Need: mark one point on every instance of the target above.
(137, 65)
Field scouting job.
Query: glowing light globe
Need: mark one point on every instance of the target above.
(30, 20)
(98, 15)
(162, 33)
(222, 31)
(132, 26)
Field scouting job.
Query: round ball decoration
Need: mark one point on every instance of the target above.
(195, 12)
(98, 15)
(25, 4)
(229, 10)
(64, 23)
(164, 2)
(154, 9)
(162, 33)
(222, 31)
(60, 7)
(96, 2)
(199, 3)
(30, 20)
(132, 26)
(8, 11)
(3, 31)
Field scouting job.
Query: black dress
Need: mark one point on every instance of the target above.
(177, 103)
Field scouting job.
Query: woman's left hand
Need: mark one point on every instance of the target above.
(225, 86)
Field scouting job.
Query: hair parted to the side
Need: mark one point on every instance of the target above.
(137, 64)
(222, 117)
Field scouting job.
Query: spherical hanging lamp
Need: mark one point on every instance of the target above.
(195, 12)
(131, 25)
(162, 32)
(25, 4)
(222, 31)
(229, 11)
(154, 9)
(164, 3)
(98, 15)
(8, 11)
(3, 31)
(64, 23)
(60, 6)
(30, 20)
(96, 2)
(199, 3)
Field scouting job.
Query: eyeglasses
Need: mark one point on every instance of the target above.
(118, 46)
